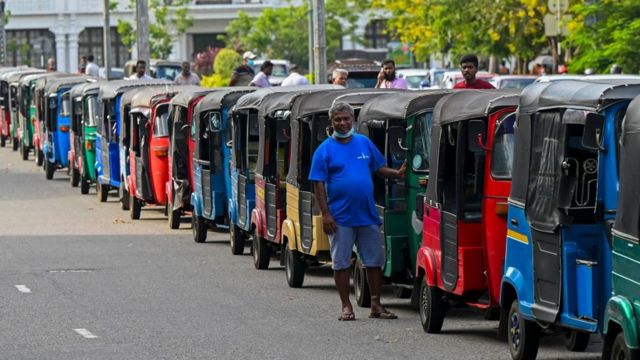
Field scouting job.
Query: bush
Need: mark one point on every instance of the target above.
(214, 80)
(225, 62)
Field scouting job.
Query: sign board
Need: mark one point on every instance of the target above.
(558, 5)
(551, 26)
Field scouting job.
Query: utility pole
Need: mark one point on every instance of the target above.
(107, 40)
(142, 29)
(319, 43)
(310, 48)
(3, 36)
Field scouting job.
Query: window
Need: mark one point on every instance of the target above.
(92, 110)
(65, 105)
(161, 121)
(421, 143)
(502, 153)
(90, 41)
(30, 47)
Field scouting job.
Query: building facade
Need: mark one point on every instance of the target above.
(68, 29)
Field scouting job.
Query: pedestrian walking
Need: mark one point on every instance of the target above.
(469, 68)
(140, 74)
(295, 77)
(91, 68)
(339, 77)
(342, 169)
(186, 77)
(387, 78)
(243, 74)
(262, 78)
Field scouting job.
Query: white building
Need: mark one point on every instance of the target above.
(68, 29)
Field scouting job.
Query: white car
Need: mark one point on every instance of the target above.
(413, 77)
(279, 73)
(451, 78)
(512, 81)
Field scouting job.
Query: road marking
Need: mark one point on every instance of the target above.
(85, 333)
(23, 289)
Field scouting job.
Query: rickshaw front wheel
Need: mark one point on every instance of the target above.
(174, 216)
(236, 240)
(102, 191)
(49, 169)
(24, 151)
(576, 341)
(135, 207)
(294, 267)
(432, 308)
(3, 141)
(261, 252)
(523, 335)
(74, 177)
(14, 144)
(84, 185)
(620, 350)
(39, 157)
(361, 285)
(198, 228)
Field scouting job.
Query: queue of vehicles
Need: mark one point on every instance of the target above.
(510, 202)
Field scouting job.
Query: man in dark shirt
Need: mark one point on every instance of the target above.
(243, 74)
(469, 68)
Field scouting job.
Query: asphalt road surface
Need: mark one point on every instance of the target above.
(80, 280)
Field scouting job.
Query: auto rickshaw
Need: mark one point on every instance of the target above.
(208, 177)
(622, 314)
(5, 123)
(85, 115)
(557, 268)
(399, 124)
(182, 107)
(27, 115)
(148, 148)
(58, 123)
(108, 163)
(465, 205)
(244, 157)
(13, 85)
(274, 152)
(302, 237)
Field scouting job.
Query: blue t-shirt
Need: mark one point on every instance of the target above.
(346, 170)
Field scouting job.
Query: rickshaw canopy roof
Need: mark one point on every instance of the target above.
(15, 76)
(85, 89)
(283, 100)
(149, 96)
(112, 89)
(56, 84)
(26, 79)
(588, 95)
(186, 96)
(400, 105)
(254, 100)
(318, 102)
(463, 105)
(223, 97)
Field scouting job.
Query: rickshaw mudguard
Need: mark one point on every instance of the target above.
(427, 263)
(620, 310)
(513, 279)
(289, 232)
(257, 223)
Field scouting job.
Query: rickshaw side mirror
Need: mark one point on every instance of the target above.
(593, 129)
(476, 135)
(397, 135)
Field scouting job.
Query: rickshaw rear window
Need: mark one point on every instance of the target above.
(161, 123)
(502, 154)
(92, 110)
(65, 105)
(421, 142)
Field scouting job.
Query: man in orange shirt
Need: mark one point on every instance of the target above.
(469, 68)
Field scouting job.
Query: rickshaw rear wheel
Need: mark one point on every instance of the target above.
(174, 216)
(619, 350)
(24, 151)
(261, 252)
(15, 144)
(49, 169)
(3, 141)
(102, 191)
(39, 157)
(576, 341)
(135, 206)
(236, 240)
(432, 308)
(199, 228)
(361, 285)
(124, 200)
(294, 267)
(523, 335)
(84, 185)
(74, 177)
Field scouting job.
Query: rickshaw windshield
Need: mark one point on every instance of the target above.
(65, 105)
(421, 143)
(502, 154)
(161, 122)
(92, 110)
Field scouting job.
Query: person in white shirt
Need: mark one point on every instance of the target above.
(186, 77)
(91, 68)
(294, 78)
(262, 78)
(141, 68)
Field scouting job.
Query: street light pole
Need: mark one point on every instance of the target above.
(319, 43)
(107, 40)
(3, 36)
(310, 47)
(142, 28)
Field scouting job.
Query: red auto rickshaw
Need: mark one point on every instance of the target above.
(465, 207)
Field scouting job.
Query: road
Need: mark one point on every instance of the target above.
(80, 280)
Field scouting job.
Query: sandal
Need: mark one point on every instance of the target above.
(347, 316)
(386, 315)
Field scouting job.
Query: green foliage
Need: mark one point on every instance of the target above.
(283, 33)
(225, 62)
(604, 33)
(505, 28)
(163, 31)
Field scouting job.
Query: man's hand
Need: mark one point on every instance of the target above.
(380, 76)
(402, 170)
(329, 224)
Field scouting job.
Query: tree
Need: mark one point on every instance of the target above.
(604, 33)
(226, 60)
(283, 32)
(163, 32)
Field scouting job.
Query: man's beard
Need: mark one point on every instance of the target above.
(390, 77)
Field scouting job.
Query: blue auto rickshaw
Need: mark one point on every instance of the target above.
(210, 130)
(557, 270)
(58, 123)
(109, 174)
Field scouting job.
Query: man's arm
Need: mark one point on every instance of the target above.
(328, 223)
(393, 173)
(234, 79)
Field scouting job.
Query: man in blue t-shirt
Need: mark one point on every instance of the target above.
(342, 171)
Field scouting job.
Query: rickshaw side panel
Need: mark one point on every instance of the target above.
(258, 214)
(291, 225)
(519, 258)
(471, 265)
(159, 148)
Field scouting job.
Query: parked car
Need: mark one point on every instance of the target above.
(279, 73)
(363, 73)
(512, 81)
(413, 77)
(451, 78)
(159, 69)
(116, 73)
